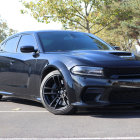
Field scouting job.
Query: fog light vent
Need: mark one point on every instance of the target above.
(90, 94)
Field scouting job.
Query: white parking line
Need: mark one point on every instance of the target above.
(97, 138)
(23, 111)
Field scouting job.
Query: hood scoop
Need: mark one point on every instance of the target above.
(125, 55)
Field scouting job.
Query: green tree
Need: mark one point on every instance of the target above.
(116, 21)
(126, 21)
(5, 30)
(81, 15)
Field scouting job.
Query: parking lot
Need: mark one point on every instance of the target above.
(28, 119)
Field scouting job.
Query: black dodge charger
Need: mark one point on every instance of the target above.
(65, 70)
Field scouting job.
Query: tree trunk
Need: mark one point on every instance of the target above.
(88, 28)
(138, 42)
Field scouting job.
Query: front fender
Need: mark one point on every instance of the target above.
(61, 67)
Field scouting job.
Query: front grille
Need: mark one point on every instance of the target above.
(122, 72)
(124, 96)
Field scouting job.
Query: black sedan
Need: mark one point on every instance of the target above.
(66, 69)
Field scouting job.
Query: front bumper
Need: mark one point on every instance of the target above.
(99, 92)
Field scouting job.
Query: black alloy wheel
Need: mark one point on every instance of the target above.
(54, 95)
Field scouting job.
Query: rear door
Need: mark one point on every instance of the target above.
(18, 69)
(23, 67)
(7, 49)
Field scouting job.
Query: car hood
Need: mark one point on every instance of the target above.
(97, 55)
(106, 58)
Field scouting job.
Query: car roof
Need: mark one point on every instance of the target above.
(38, 31)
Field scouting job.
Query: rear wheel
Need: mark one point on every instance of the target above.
(54, 95)
(0, 97)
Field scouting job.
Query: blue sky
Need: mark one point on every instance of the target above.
(10, 11)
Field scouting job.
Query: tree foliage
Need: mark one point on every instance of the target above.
(73, 14)
(5, 30)
(116, 21)
(126, 24)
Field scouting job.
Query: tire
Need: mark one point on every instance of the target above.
(0, 97)
(54, 95)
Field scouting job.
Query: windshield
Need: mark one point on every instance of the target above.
(70, 41)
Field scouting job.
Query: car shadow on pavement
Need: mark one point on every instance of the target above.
(21, 101)
(116, 112)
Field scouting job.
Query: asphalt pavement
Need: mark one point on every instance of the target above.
(21, 118)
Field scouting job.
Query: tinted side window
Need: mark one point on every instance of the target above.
(26, 40)
(11, 45)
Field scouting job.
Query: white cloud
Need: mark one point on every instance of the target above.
(10, 11)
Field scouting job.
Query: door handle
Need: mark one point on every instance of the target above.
(12, 62)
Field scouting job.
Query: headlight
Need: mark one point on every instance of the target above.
(85, 70)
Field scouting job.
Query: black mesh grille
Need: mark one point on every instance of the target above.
(122, 72)
(125, 96)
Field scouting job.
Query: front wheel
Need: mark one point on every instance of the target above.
(54, 94)
(0, 97)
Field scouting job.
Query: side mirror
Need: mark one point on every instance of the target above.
(116, 47)
(27, 49)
